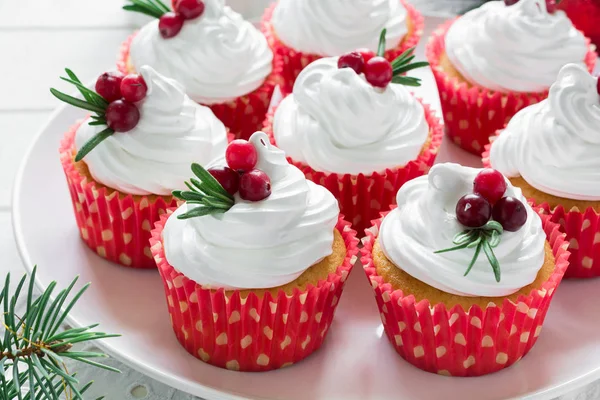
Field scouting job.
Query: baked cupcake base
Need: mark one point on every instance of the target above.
(114, 225)
(454, 341)
(471, 113)
(242, 116)
(579, 220)
(363, 197)
(295, 61)
(257, 330)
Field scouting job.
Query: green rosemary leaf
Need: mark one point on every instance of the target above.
(76, 102)
(89, 95)
(191, 196)
(75, 79)
(474, 243)
(212, 188)
(464, 236)
(381, 47)
(474, 259)
(406, 80)
(149, 7)
(141, 10)
(209, 180)
(493, 226)
(160, 5)
(215, 203)
(200, 212)
(489, 252)
(97, 123)
(402, 69)
(92, 143)
(462, 246)
(401, 59)
(494, 239)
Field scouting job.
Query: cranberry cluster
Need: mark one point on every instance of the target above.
(551, 5)
(171, 23)
(121, 92)
(487, 201)
(378, 71)
(240, 175)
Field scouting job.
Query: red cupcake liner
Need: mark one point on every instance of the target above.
(295, 61)
(115, 225)
(456, 342)
(363, 197)
(582, 230)
(473, 114)
(242, 116)
(252, 333)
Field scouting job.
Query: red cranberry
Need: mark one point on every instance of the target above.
(551, 6)
(108, 85)
(510, 213)
(352, 60)
(189, 9)
(473, 211)
(490, 184)
(510, 2)
(255, 185)
(122, 116)
(241, 155)
(228, 178)
(366, 54)
(133, 88)
(170, 24)
(598, 85)
(378, 72)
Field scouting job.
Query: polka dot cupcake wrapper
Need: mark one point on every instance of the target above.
(363, 197)
(582, 229)
(243, 115)
(456, 342)
(114, 225)
(295, 61)
(473, 114)
(252, 333)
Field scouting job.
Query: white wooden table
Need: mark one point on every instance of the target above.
(38, 39)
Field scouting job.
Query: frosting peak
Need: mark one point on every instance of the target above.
(335, 121)
(154, 157)
(260, 244)
(554, 145)
(517, 48)
(425, 221)
(217, 57)
(334, 27)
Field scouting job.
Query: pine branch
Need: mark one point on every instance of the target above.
(36, 342)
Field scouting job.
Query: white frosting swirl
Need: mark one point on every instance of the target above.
(335, 121)
(425, 221)
(555, 145)
(155, 156)
(334, 27)
(517, 48)
(217, 57)
(261, 244)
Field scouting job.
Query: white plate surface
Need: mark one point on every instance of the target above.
(355, 362)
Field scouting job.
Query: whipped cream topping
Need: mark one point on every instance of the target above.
(555, 145)
(425, 221)
(155, 156)
(517, 48)
(261, 244)
(217, 57)
(335, 121)
(334, 27)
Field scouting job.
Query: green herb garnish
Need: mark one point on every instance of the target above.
(402, 64)
(152, 8)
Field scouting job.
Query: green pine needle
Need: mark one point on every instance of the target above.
(35, 348)
(152, 8)
(206, 192)
(485, 238)
(381, 47)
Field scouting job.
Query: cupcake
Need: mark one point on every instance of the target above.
(550, 150)
(497, 59)
(254, 262)
(463, 271)
(302, 31)
(358, 135)
(123, 161)
(223, 61)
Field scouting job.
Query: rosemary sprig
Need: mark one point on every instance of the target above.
(93, 102)
(485, 238)
(402, 64)
(36, 349)
(205, 191)
(153, 8)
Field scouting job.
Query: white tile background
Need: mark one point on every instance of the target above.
(38, 38)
